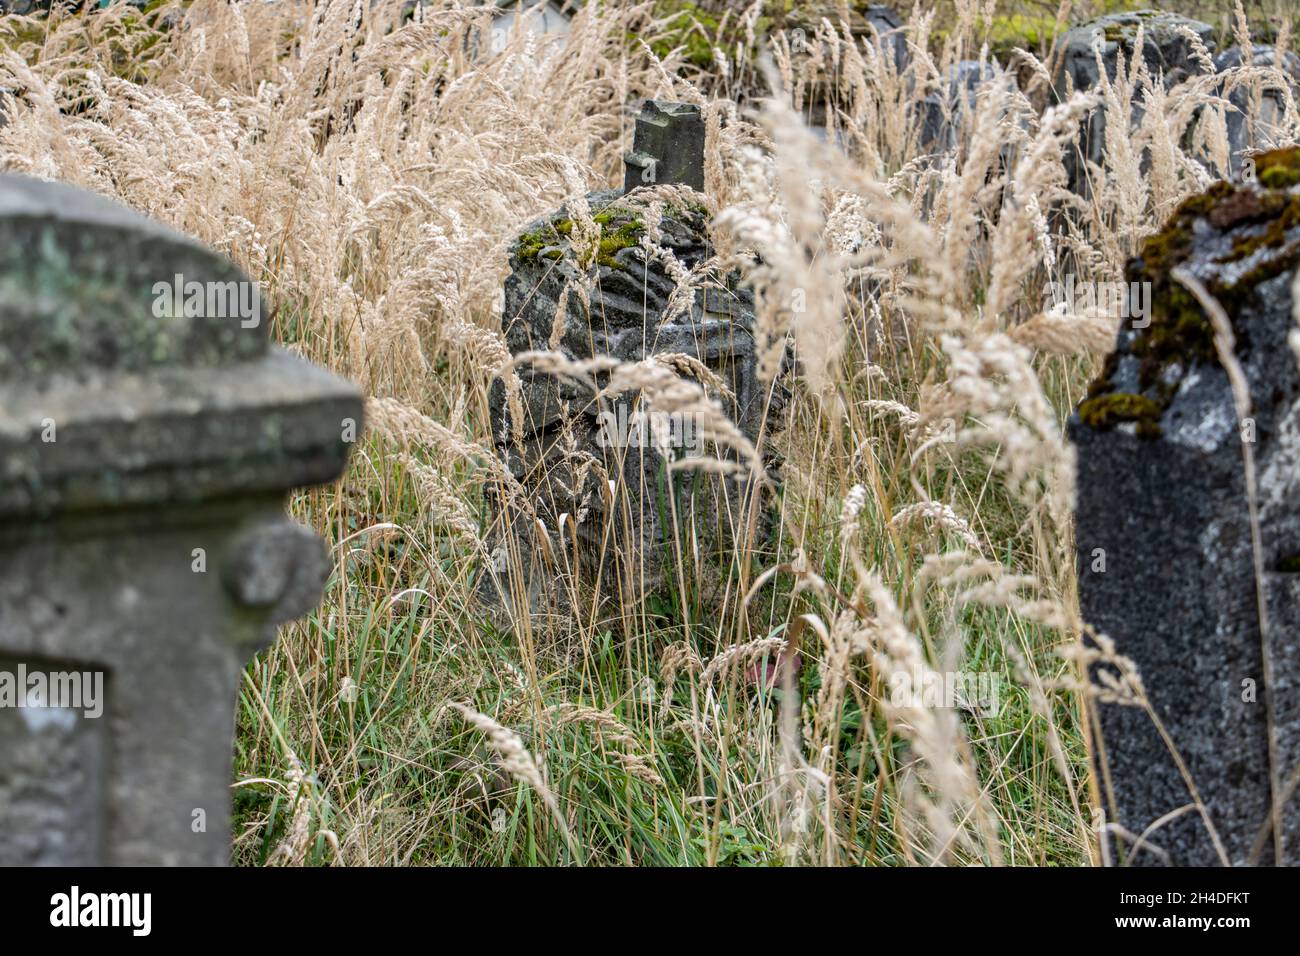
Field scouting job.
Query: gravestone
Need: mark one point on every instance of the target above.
(149, 434)
(1271, 119)
(579, 457)
(1166, 52)
(945, 111)
(889, 28)
(875, 29)
(552, 19)
(1164, 532)
(667, 147)
(867, 25)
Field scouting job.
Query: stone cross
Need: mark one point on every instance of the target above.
(149, 434)
(667, 146)
(1188, 536)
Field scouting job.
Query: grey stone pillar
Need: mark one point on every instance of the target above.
(667, 146)
(1166, 542)
(149, 434)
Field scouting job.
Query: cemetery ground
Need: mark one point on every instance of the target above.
(896, 672)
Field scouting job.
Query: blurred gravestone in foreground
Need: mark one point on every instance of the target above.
(148, 437)
(593, 470)
(1164, 534)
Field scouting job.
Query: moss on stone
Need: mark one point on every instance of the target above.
(625, 236)
(1106, 411)
(1179, 334)
(620, 229)
(1278, 168)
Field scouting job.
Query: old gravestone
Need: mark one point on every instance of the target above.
(668, 147)
(944, 112)
(591, 467)
(1166, 52)
(876, 25)
(1269, 114)
(1164, 533)
(148, 436)
(876, 30)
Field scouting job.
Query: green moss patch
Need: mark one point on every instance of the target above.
(1265, 220)
(619, 229)
(1106, 411)
(1279, 168)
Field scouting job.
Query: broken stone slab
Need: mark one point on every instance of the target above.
(149, 435)
(945, 111)
(1166, 51)
(890, 31)
(1164, 534)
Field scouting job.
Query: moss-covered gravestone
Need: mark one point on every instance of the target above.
(594, 472)
(149, 434)
(1167, 547)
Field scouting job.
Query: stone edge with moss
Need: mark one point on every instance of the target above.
(1179, 335)
(620, 228)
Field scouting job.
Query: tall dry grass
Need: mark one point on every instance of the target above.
(372, 172)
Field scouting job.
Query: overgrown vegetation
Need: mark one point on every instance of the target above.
(374, 172)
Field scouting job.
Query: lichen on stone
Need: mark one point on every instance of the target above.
(621, 227)
(1237, 236)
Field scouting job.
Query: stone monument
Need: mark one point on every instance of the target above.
(149, 434)
(1167, 546)
(590, 465)
(1166, 52)
(1270, 121)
